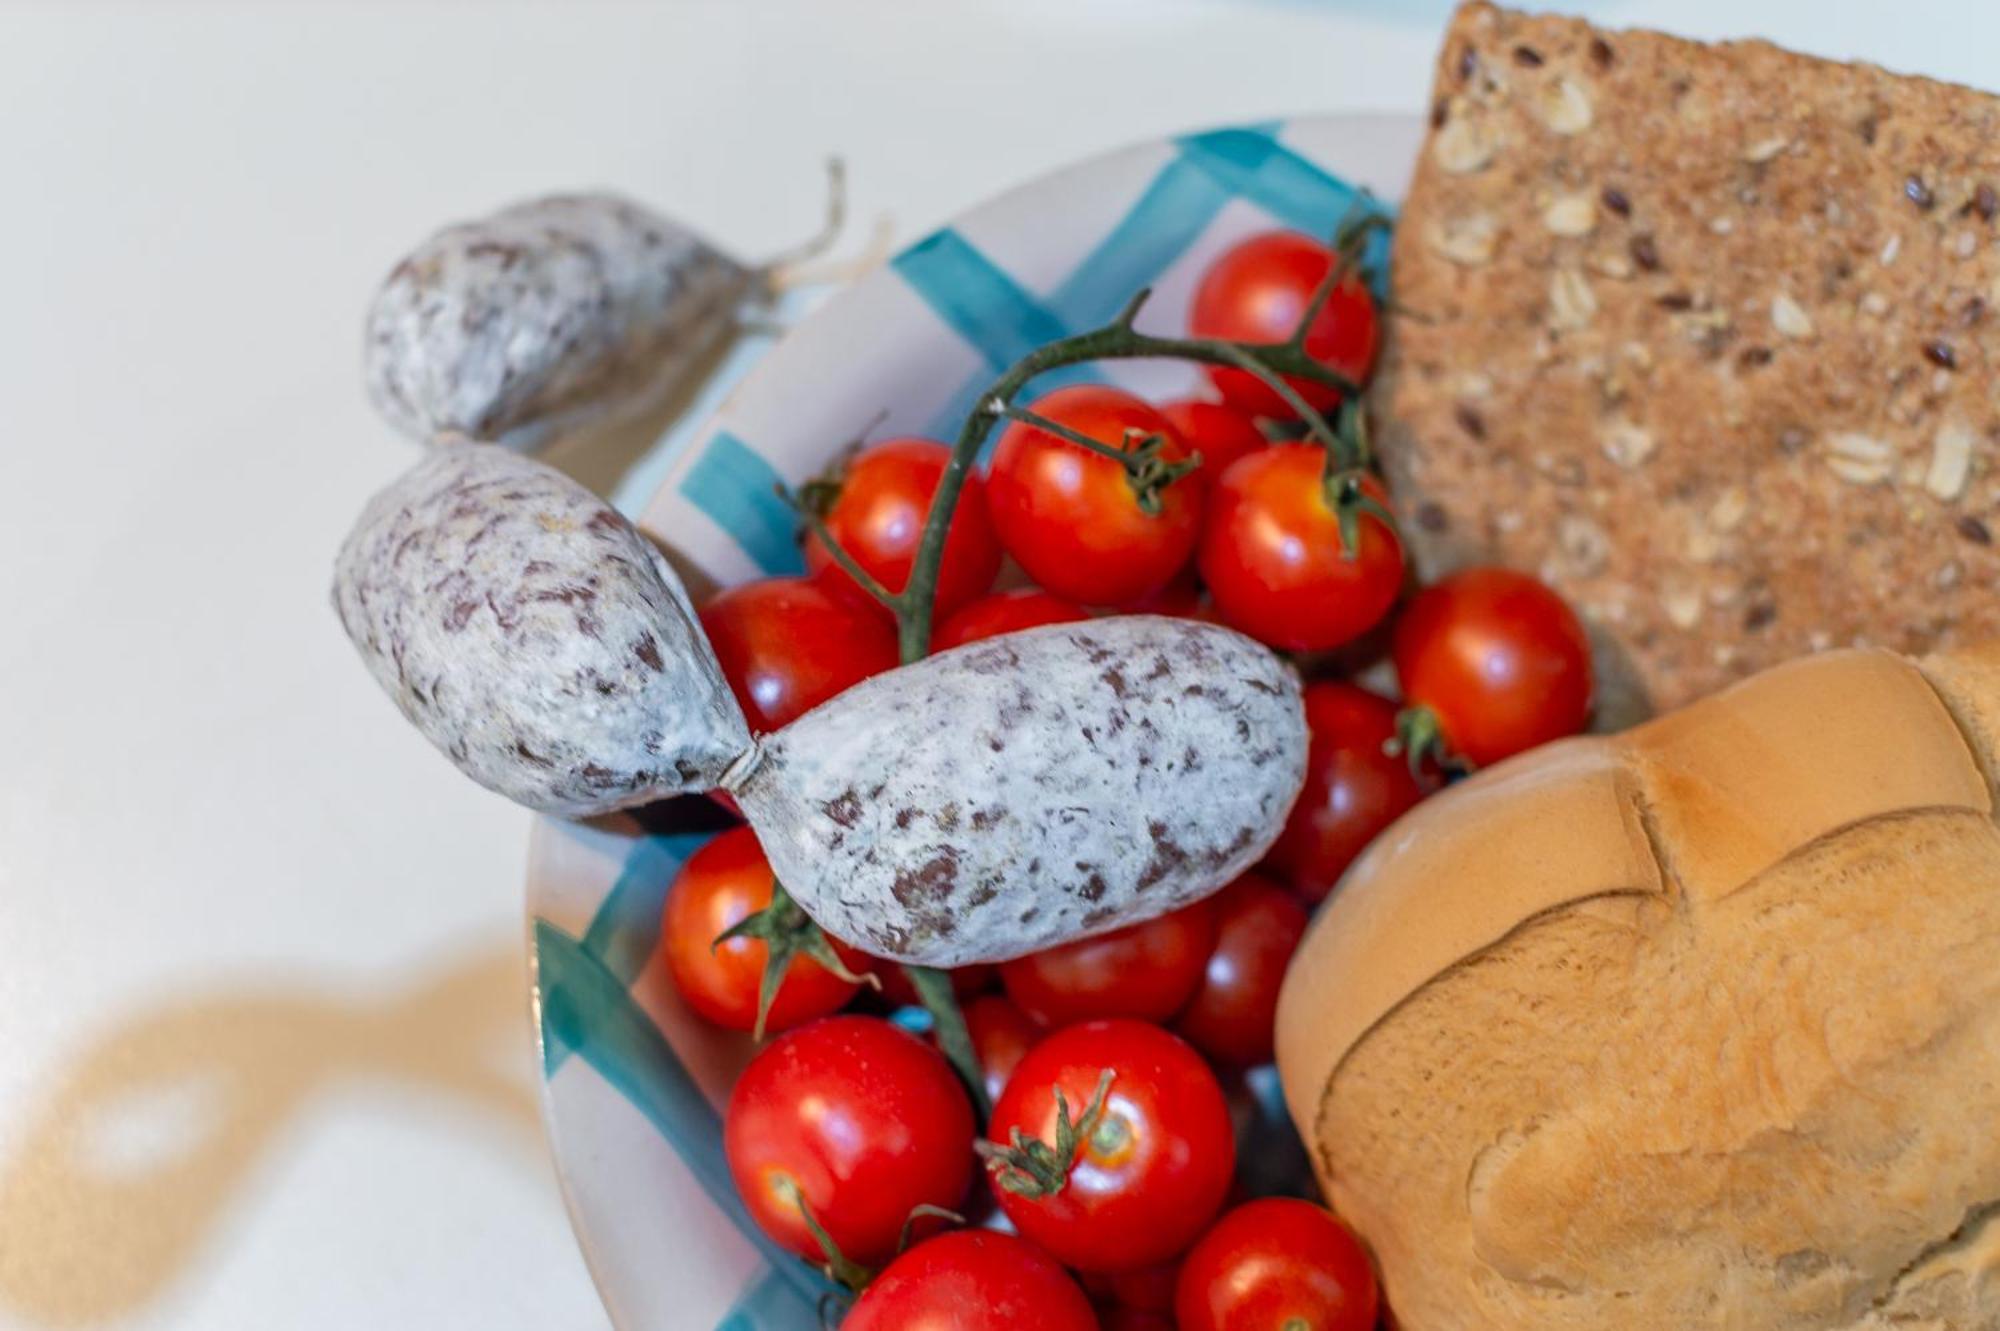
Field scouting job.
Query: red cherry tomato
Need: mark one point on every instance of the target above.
(1124, 1317)
(1277, 1263)
(972, 1280)
(1002, 1035)
(1258, 927)
(721, 885)
(1180, 599)
(1004, 612)
(896, 987)
(1273, 557)
(1258, 291)
(1354, 787)
(1144, 971)
(1070, 517)
(1148, 1289)
(1498, 658)
(1217, 431)
(878, 518)
(1151, 1175)
(862, 1120)
(786, 646)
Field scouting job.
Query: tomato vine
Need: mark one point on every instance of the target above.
(1276, 364)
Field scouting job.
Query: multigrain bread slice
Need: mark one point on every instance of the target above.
(1709, 337)
(1693, 1026)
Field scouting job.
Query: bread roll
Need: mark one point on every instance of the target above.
(1695, 1026)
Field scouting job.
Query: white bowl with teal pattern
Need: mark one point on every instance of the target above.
(633, 1085)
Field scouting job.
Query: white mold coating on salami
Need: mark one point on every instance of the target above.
(534, 636)
(544, 315)
(1032, 788)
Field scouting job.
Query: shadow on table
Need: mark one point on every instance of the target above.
(119, 1180)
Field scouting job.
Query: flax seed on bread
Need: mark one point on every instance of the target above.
(1709, 337)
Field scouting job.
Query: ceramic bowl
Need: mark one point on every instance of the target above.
(633, 1085)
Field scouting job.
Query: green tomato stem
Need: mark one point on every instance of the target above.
(1272, 363)
(934, 991)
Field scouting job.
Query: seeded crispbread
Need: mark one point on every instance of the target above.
(1709, 337)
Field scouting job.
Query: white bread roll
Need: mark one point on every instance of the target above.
(1694, 1026)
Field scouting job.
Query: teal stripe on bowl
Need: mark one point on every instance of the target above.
(626, 927)
(989, 310)
(1255, 166)
(586, 1008)
(951, 417)
(769, 1303)
(1168, 218)
(738, 489)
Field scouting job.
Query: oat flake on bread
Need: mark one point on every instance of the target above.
(1761, 366)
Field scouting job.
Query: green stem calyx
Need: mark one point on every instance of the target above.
(839, 1267)
(1030, 1167)
(1350, 501)
(1420, 740)
(1146, 470)
(923, 1211)
(787, 932)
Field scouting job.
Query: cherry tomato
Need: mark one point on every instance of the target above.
(721, 885)
(1354, 787)
(1258, 291)
(896, 987)
(1070, 517)
(878, 518)
(1277, 1262)
(1124, 1317)
(1258, 927)
(1217, 431)
(972, 1280)
(1154, 1170)
(1004, 612)
(1093, 1283)
(1498, 659)
(1180, 599)
(786, 646)
(1273, 557)
(863, 1121)
(1146, 971)
(1148, 1289)
(1002, 1035)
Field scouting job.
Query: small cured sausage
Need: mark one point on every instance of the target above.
(546, 315)
(534, 636)
(974, 806)
(1032, 788)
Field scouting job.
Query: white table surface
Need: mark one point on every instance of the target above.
(228, 872)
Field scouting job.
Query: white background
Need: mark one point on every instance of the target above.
(203, 799)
